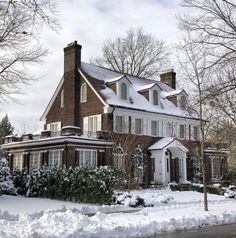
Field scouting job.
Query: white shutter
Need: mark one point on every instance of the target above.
(85, 125)
(99, 122)
(48, 126)
(58, 126)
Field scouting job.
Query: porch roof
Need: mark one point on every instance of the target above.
(167, 142)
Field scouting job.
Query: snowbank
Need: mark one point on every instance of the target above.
(184, 212)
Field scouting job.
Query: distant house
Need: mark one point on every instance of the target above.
(96, 113)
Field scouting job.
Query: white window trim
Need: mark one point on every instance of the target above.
(83, 94)
(33, 160)
(62, 98)
(18, 162)
(51, 161)
(141, 119)
(91, 161)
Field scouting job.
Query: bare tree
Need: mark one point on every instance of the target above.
(213, 27)
(193, 66)
(21, 23)
(137, 54)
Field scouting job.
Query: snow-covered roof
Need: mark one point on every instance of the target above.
(137, 101)
(162, 143)
(168, 142)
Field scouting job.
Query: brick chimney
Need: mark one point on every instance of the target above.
(72, 60)
(168, 77)
(72, 56)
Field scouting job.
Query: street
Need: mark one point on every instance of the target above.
(221, 231)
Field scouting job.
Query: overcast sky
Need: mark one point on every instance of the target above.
(89, 22)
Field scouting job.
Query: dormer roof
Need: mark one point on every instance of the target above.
(136, 100)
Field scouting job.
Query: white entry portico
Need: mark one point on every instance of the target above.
(169, 156)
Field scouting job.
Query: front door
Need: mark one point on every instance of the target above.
(174, 167)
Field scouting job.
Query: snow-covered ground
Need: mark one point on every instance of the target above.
(34, 217)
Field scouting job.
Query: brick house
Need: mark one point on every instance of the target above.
(97, 116)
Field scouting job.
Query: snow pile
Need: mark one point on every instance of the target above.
(67, 219)
(149, 221)
(230, 192)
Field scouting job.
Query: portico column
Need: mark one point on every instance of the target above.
(184, 169)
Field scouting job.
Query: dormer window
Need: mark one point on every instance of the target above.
(155, 97)
(123, 91)
(83, 93)
(183, 103)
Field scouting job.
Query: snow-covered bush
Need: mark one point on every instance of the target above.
(6, 183)
(128, 200)
(230, 192)
(197, 187)
(73, 184)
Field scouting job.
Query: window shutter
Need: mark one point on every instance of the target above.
(48, 126)
(99, 122)
(85, 125)
(58, 126)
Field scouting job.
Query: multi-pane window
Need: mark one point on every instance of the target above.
(195, 133)
(169, 129)
(182, 131)
(35, 160)
(55, 158)
(120, 124)
(83, 93)
(155, 97)
(124, 91)
(88, 158)
(18, 162)
(154, 128)
(138, 126)
(55, 128)
(118, 158)
(215, 163)
(91, 125)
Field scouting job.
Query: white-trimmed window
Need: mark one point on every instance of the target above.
(155, 97)
(55, 128)
(92, 124)
(88, 158)
(124, 91)
(62, 98)
(169, 129)
(138, 123)
(120, 124)
(215, 167)
(195, 133)
(35, 162)
(118, 158)
(182, 131)
(18, 161)
(55, 158)
(154, 128)
(83, 92)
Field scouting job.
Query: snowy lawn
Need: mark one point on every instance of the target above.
(35, 217)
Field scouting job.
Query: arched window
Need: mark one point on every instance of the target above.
(138, 164)
(123, 91)
(155, 97)
(118, 156)
(83, 93)
(62, 98)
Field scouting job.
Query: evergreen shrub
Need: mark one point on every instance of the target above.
(198, 188)
(78, 184)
